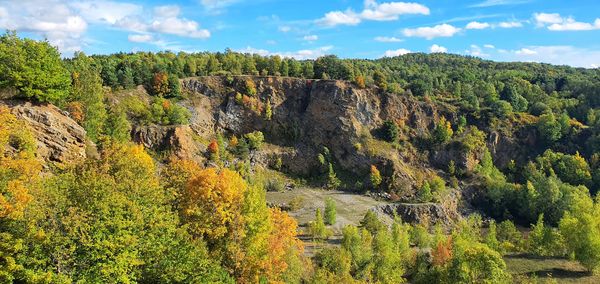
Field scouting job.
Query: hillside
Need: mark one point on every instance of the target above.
(200, 168)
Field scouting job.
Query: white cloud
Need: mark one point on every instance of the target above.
(335, 18)
(63, 27)
(217, 6)
(397, 52)
(106, 11)
(387, 39)
(477, 26)
(555, 22)
(443, 30)
(373, 11)
(571, 25)
(489, 46)
(180, 27)
(140, 38)
(525, 51)
(310, 38)
(168, 11)
(285, 29)
(299, 54)
(509, 25)
(544, 18)
(391, 11)
(437, 49)
(562, 55)
(491, 3)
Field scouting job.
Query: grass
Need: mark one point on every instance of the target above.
(553, 270)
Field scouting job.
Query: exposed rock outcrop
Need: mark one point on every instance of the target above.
(60, 139)
(177, 141)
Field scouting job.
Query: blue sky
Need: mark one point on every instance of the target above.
(553, 31)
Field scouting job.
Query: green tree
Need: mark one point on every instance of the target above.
(33, 68)
(390, 131)
(549, 128)
(478, 264)
(580, 227)
(87, 89)
(330, 211)
(442, 132)
(317, 228)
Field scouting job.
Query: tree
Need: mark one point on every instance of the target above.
(478, 264)
(160, 84)
(330, 211)
(549, 128)
(371, 223)
(213, 150)
(545, 241)
(268, 110)
(375, 176)
(491, 238)
(580, 227)
(442, 131)
(87, 89)
(390, 131)
(317, 227)
(255, 139)
(33, 68)
(118, 127)
(380, 80)
(211, 201)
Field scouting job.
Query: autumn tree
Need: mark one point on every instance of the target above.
(375, 177)
(211, 201)
(160, 84)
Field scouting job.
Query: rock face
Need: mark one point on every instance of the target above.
(176, 141)
(60, 139)
(421, 213)
(308, 115)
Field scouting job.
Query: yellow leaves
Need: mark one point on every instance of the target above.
(211, 200)
(14, 200)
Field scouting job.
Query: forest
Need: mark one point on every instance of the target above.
(125, 214)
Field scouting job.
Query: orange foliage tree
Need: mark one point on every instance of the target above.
(160, 84)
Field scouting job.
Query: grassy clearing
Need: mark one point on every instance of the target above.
(548, 270)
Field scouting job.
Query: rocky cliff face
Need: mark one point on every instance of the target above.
(311, 114)
(60, 139)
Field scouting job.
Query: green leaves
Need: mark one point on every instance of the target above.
(33, 68)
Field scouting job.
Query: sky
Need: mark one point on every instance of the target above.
(550, 31)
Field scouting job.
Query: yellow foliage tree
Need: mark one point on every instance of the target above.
(19, 167)
(210, 202)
